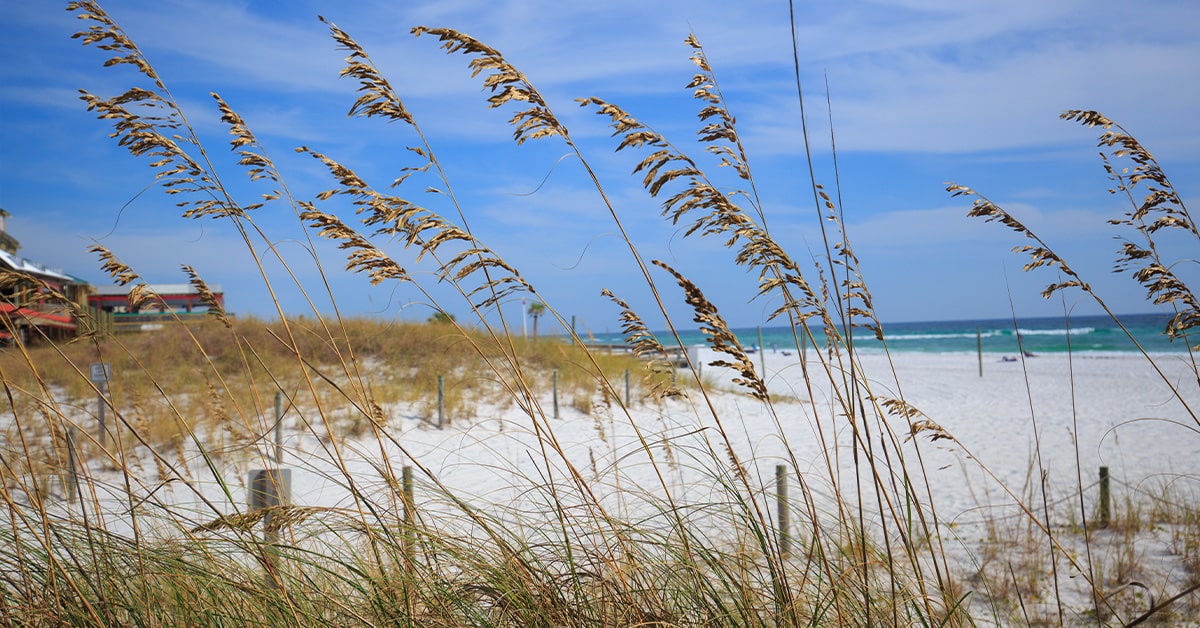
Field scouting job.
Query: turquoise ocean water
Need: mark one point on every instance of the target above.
(1090, 334)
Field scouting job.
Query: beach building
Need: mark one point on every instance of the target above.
(174, 302)
(35, 300)
(38, 302)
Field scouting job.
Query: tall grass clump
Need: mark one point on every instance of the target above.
(1157, 236)
(658, 514)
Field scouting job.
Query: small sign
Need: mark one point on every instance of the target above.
(100, 372)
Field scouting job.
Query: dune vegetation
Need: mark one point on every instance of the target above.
(148, 524)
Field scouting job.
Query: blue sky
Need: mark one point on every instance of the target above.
(922, 92)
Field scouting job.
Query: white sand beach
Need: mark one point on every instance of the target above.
(1050, 417)
(1051, 412)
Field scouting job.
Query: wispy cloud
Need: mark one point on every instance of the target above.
(921, 91)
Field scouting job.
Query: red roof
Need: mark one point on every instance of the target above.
(45, 319)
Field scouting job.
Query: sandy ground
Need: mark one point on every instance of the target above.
(1046, 423)
(1050, 418)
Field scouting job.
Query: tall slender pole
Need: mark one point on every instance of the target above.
(279, 428)
(762, 355)
(626, 387)
(73, 481)
(102, 427)
(556, 393)
(409, 537)
(782, 512)
(441, 402)
(278, 491)
(979, 349)
(1104, 497)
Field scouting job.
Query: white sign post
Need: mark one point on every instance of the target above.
(100, 373)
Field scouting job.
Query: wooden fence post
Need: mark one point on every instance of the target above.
(762, 355)
(409, 537)
(441, 402)
(782, 511)
(72, 463)
(979, 349)
(1105, 495)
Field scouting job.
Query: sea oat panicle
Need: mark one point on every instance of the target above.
(1161, 207)
(215, 307)
(722, 339)
(364, 256)
(1040, 254)
(107, 35)
(247, 146)
(507, 84)
(120, 272)
(377, 98)
(415, 226)
(645, 346)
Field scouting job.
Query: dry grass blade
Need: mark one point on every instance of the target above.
(917, 421)
(120, 272)
(123, 275)
(858, 306)
(153, 134)
(1161, 197)
(277, 517)
(720, 124)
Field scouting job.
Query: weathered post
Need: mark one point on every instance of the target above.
(73, 479)
(556, 393)
(99, 377)
(762, 355)
(979, 349)
(626, 388)
(270, 488)
(102, 427)
(781, 509)
(279, 428)
(409, 536)
(1105, 496)
(441, 402)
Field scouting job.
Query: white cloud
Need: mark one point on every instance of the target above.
(969, 88)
